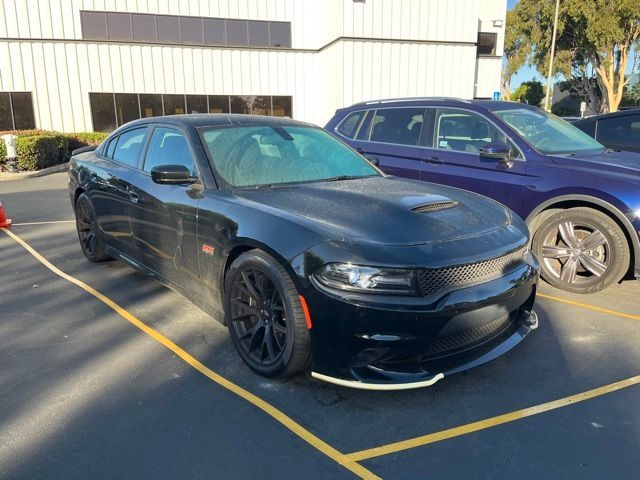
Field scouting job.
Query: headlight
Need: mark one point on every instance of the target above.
(345, 276)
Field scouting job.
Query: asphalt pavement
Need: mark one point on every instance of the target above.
(84, 393)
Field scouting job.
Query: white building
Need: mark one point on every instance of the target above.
(83, 65)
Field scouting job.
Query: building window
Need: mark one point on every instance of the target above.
(196, 104)
(258, 33)
(94, 25)
(168, 29)
(487, 43)
(144, 28)
(173, 29)
(16, 111)
(219, 104)
(215, 31)
(103, 113)
(119, 26)
(111, 110)
(281, 106)
(173, 104)
(191, 28)
(127, 107)
(279, 34)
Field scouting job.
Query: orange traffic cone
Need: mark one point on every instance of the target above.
(4, 221)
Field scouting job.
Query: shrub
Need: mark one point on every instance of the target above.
(83, 139)
(3, 150)
(41, 151)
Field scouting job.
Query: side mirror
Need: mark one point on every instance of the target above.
(373, 160)
(499, 151)
(172, 175)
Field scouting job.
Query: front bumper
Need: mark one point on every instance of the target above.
(392, 345)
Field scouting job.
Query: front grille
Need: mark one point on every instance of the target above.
(433, 206)
(464, 338)
(432, 280)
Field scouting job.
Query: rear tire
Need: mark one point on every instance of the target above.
(581, 250)
(265, 317)
(91, 242)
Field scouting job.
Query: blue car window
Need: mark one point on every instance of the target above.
(349, 126)
(168, 147)
(400, 126)
(129, 146)
(464, 131)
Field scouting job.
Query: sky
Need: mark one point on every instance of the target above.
(525, 73)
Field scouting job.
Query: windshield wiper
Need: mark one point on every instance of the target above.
(342, 177)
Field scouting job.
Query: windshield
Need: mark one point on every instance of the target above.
(546, 132)
(258, 155)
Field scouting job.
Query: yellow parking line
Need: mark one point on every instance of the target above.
(589, 307)
(490, 422)
(278, 415)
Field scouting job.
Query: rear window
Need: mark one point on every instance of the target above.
(401, 126)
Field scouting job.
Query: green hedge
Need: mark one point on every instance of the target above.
(83, 139)
(41, 151)
(55, 148)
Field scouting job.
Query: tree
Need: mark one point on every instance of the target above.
(515, 53)
(598, 34)
(529, 92)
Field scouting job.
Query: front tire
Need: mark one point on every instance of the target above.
(91, 242)
(581, 250)
(265, 317)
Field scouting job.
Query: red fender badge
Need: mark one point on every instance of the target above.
(208, 249)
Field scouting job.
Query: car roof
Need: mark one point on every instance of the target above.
(441, 101)
(620, 113)
(197, 120)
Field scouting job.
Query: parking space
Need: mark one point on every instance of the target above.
(86, 393)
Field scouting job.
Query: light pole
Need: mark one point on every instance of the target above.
(553, 51)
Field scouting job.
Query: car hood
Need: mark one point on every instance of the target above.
(609, 162)
(378, 210)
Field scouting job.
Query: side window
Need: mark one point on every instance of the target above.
(365, 127)
(128, 146)
(398, 125)
(168, 147)
(619, 130)
(463, 131)
(349, 126)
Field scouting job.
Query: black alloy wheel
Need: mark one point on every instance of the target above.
(581, 250)
(264, 316)
(91, 242)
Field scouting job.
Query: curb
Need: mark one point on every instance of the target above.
(40, 173)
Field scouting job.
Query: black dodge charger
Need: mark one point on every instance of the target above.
(308, 253)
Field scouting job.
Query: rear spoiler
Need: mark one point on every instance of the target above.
(88, 148)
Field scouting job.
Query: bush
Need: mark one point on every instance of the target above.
(55, 149)
(41, 151)
(84, 139)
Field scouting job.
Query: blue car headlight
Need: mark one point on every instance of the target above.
(365, 279)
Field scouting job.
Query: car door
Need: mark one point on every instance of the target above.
(163, 216)
(393, 135)
(455, 160)
(109, 187)
(620, 133)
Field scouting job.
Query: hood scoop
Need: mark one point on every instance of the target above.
(435, 206)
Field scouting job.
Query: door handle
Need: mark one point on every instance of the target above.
(133, 196)
(434, 160)
(359, 149)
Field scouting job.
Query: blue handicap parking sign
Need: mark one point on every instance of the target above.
(496, 95)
